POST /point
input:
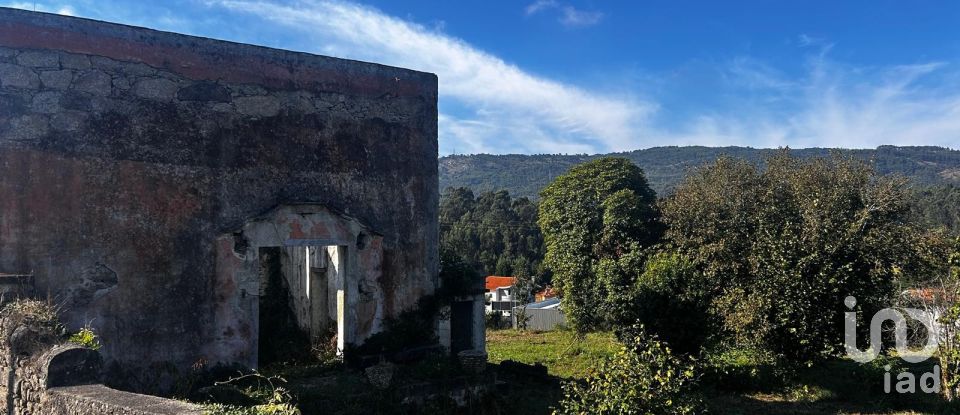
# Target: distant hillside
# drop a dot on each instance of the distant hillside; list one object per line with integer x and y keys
{"x": 525, "y": 175}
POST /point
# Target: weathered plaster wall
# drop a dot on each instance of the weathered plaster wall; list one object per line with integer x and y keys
{"x": 126, "y": 153}
{"x": 313, "y": 287}
{"x": 356, "y": 271}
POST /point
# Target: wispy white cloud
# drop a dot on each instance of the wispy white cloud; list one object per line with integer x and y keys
{"x": 822, "y": 45}
{"x": 569, "y": 16}
{"x": 574, "y": 17}
{"x": 834, "y": 105}
{"x": 23, "y": 6}
{"x": 541, "y": 5}
{"x": 64, "y": 9}
{"x": 492, "y": 90}
{"x": 752, "y": 73}
{"x": 863, "y": 107}
{"x": 805, "y": 40}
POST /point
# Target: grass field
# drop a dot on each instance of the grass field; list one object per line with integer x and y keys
{"x": 562, "y": 354}
{"x": 738, "y": 386}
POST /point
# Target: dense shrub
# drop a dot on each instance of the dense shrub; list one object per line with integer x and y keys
{"x": 271, "y": 399}
{"x": 496, "y": 321}
{"x": 781, "y": 246}
{"x": 279, "y": 405}
{"x": 734, "y": 369}
{"x": 668, "y": 297}
{"x": 33, "y": 313}
{"x": 644, "y": 377}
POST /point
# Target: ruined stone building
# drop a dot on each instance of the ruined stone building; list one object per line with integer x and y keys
{"x": 151, "y": 182}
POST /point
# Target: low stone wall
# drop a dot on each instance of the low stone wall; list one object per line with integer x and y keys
{"x": 101, "y": 400}
{"x": 62, "y": 381}
{"x": 43, "y": 376}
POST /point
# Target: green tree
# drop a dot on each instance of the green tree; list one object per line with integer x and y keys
{"x": 492, "y": 232}
{"x": 523, "y": 288}
{"x": 590, "y": 217}
{"x": 457, "y": 276}
{"x": 644, "y": 377}
{"x": 780, "y": 247}
{"x": 504, "y": 266}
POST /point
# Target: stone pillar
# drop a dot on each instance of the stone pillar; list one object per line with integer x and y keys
{"x": 479, "y": 324}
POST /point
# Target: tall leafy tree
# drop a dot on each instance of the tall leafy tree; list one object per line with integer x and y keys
{"x": 781, "y": 246}
{"x": 592, "y": 216}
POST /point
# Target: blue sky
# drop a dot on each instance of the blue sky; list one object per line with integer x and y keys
{"x": 589, "y": 76}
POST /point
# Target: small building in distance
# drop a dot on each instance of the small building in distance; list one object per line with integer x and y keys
{"x": 546, "y": 293}
{"x": 499, "y": 296}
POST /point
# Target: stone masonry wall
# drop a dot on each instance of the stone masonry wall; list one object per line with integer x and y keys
{"x": 44, "y": 376}
{"x": 62, "y": 380}
{"x": 126, "y": 154}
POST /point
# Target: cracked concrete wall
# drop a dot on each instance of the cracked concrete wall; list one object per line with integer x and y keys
{"x": 125, "y": 153}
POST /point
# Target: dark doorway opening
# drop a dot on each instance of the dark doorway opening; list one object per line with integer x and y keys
{"x": 461, "y": 326}
{"x": 281, "y": 338}
{"x": 302, "y": 302}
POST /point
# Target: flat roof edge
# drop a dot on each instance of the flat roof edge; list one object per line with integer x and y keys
{"x": 202, "y": 58}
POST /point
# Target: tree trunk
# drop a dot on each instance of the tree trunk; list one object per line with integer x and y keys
{"x": 945, "y": 387}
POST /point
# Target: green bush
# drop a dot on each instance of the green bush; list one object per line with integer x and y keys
{"x": 275, "y": 400}
{"x": 86, "y": 338}
{"x": 265, "y": 409}
{"x": 741, "y": 370}
{"x": 496, "y": 321}
{"x": 644, "y": 377}
{"x": 668, "y": 298}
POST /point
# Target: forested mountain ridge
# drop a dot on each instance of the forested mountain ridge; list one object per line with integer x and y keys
{"x": 526, "y": 175}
